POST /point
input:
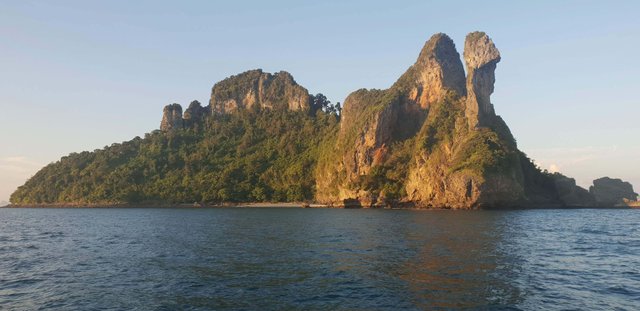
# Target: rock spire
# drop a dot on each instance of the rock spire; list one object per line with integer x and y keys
{"x": 481, "y": 57}
{"x": 171, "y": 117}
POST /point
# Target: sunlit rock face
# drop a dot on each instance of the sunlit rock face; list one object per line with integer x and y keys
{"x": 171, "y": 117}
{"x": 256, "y": 89}
{"x": 481, "y": 57}
{"x": 432, "y": 139}
{"x": 437, "y": 70}
{"x": 373, "y": 120}
{"x": 612, "y": 191}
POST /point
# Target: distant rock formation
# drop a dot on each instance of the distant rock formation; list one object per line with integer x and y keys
{"x": 571, "y": 194}
{"x": 258, "y": 89}
{"x": 481, "y": 57}
{"x": 171, "y": 117}
{"x": 610, "y": 192}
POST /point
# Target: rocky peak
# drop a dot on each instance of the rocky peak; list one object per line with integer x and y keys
{"x": 437, "y": 70}
{"x": 612, "y": 191}
{"x": 194, "y": 114}
{"x": 481, "y": 57}
{"x": 255, "y": 87}
{"x": 171, "y": 117}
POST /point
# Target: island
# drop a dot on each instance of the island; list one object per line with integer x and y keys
{"x": 431, "y": 140}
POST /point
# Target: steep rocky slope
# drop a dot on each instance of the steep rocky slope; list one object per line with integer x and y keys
{"x": 432, "y": 139}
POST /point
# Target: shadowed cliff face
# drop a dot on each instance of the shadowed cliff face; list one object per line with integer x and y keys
{"x": 612, "y": 191}
{"x": 256, "y": 88}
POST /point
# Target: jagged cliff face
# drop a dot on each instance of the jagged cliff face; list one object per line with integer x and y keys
{"x": 253, "y": 89}
{"x": 457, "y": 152}
{"x": 373, "y": 134}
{"x": 374, "y": 120}
{"x": 458, "y": 164}
{"x": 437, "y": 71}
{"x": 257, "y": 89}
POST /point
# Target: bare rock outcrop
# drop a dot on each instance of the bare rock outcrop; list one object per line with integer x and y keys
{"x": 256, "y": 89}
{"x": 481, "y": 57}
{"x": 612, "y": 191}
{"x": 171, "y": 117}
{"x": 371, "y": 137}
{"x": 437, "y": 70}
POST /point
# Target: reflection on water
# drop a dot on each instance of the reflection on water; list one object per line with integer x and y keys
{"x": 460, "y": 262}
{"x": 167, "y": 259}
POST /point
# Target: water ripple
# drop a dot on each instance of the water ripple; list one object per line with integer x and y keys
{"x": 320, "y": 259}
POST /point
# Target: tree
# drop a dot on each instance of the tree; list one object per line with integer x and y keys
{"x": 319, "y": 102}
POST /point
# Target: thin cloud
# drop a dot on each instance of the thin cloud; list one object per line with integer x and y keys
{"x": 19, "y": 161}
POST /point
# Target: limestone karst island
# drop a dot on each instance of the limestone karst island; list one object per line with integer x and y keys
{"x": 431, "y": 140}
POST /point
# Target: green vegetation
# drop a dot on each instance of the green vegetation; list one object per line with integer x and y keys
{"x": 246, "y": 156}
{"x": 474, "y": 36}
{"x": 388, "y": 178}
{"x": 483, "y": 152}
{"x": 486, "y": 150}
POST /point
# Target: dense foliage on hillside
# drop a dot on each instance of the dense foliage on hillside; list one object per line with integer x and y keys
{"x": 265, "y": 155}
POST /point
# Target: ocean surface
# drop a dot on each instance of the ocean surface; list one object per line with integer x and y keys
{"x": 318, "y": 259}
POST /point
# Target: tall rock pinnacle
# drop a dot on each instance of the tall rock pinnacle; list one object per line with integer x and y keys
{"x": 481, "y": 57}
{"x": 437, "y": 70}
{"x": 171, "y": 117}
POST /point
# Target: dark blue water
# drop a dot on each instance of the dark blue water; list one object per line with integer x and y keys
{"x": 318, "y": 259}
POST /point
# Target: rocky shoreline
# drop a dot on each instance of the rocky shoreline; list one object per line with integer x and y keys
{"x": 405, "y": 206}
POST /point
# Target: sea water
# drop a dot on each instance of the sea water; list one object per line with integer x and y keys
{"x": 318, "y": 259}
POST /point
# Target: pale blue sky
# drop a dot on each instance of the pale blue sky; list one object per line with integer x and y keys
{"x": 79, "y": 75}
